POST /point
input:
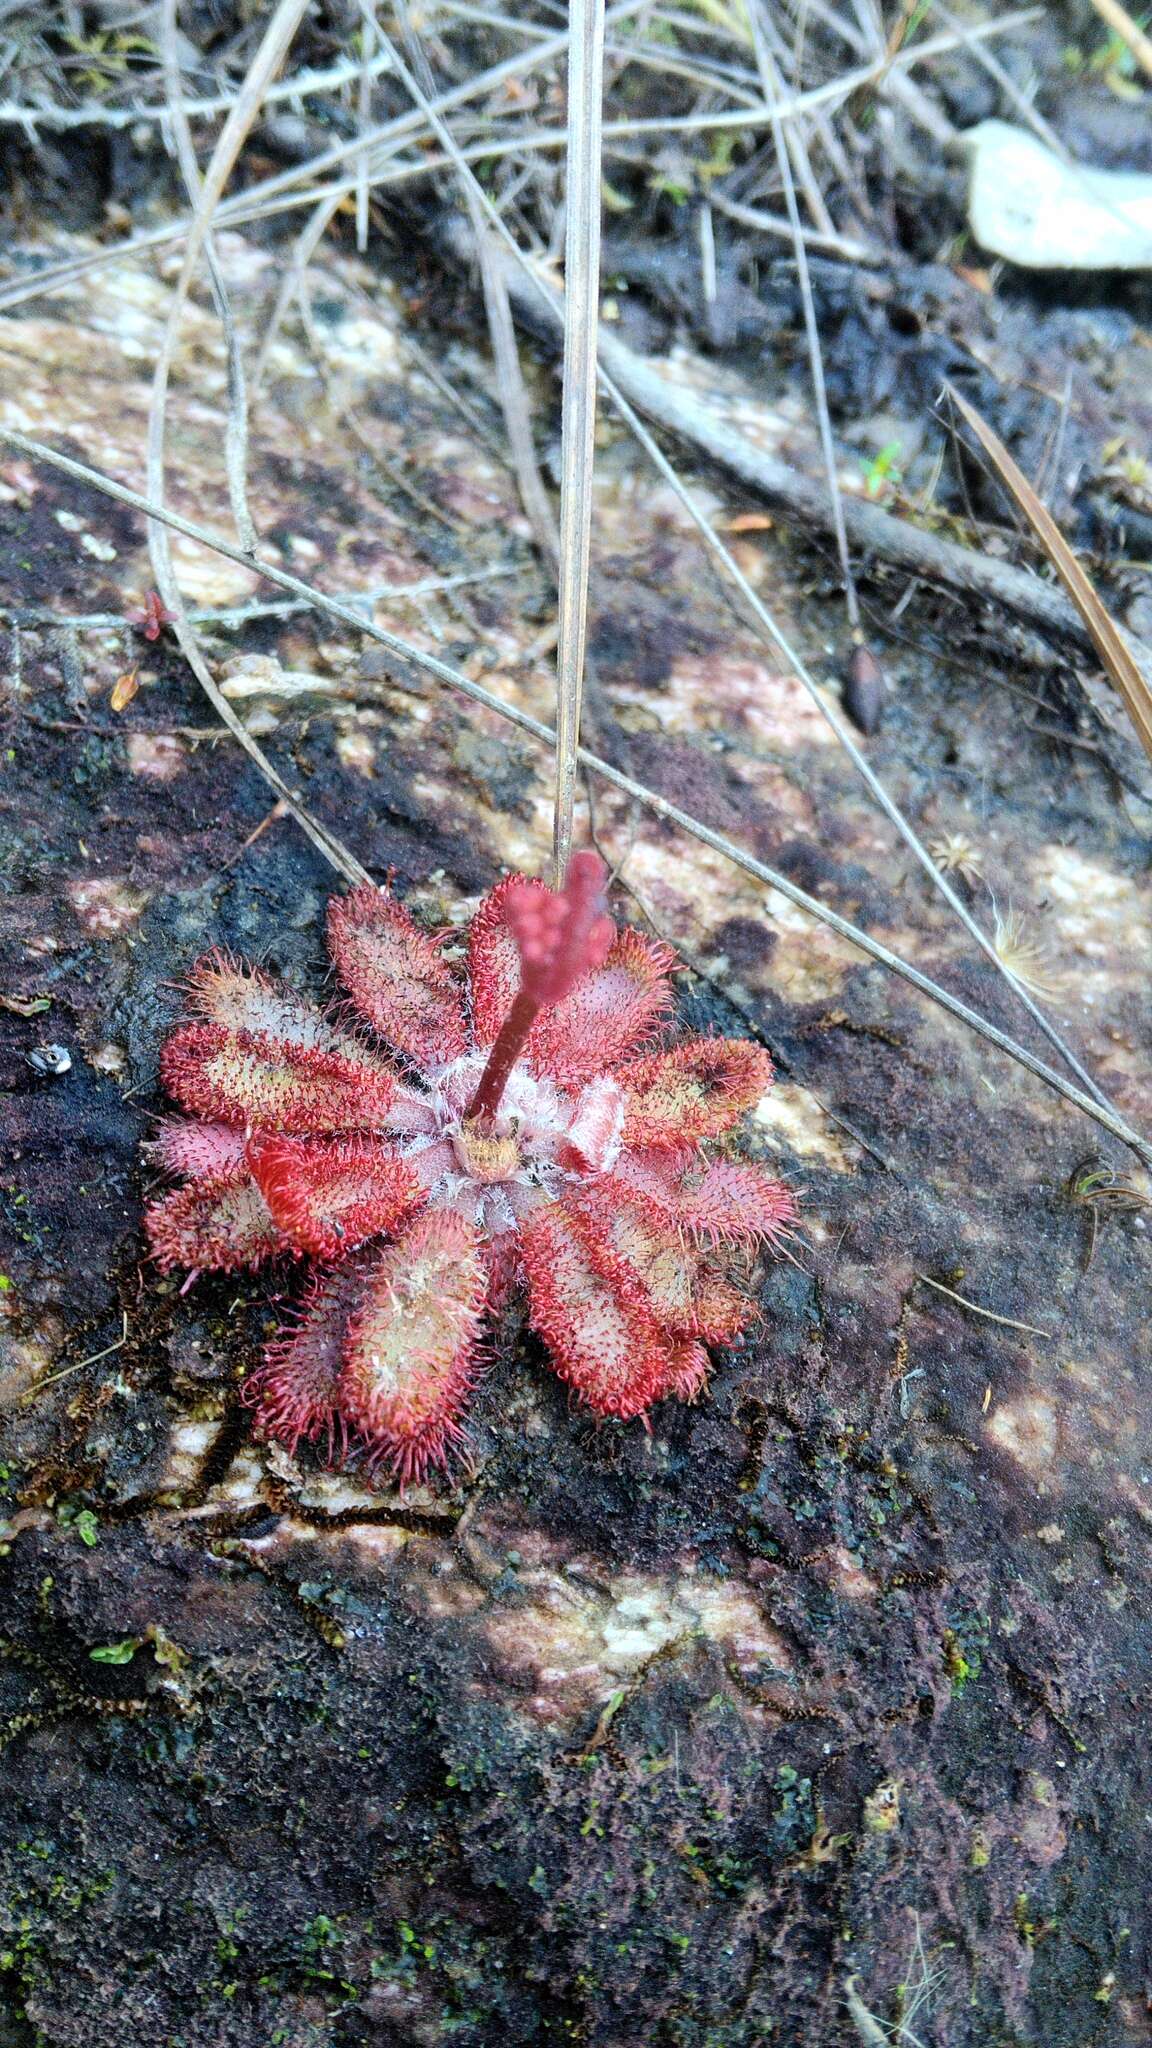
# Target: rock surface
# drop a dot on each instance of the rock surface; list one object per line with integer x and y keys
{"x": 822, "y": 1706}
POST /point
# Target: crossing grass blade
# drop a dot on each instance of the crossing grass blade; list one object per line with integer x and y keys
{"x": 340, "y": 608}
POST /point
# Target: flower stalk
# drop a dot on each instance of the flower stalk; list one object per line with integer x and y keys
{"x": 560, "y": 935}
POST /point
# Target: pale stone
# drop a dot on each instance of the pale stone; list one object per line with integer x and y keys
{"x": 1024, "y": 203}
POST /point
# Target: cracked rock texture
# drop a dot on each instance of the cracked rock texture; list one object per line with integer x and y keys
{"x": 822, "y": 1705}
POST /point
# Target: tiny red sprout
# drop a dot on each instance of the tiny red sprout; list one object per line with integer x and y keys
{"x": 444, "y": 1142}
{"x": 152, "y": 617}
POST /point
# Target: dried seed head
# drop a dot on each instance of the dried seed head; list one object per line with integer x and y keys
{"x": 955, "y": 854}
{"x": 1024, "y": 957}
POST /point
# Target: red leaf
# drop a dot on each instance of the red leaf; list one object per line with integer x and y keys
{"x": 295, "y": 1391}
{"x": 242, "y": 1077}
{"x": 152, "y": 616}
{"x": 240, "y": 998}
{"x": 397, "y": 977}
{"x": 727, "y": 1202}
{"x": 723, "y": 1201}
{"x": 410, "y": 1356}
{"x": 683, "y": 1290}
{"x": 222, "y": 1224}
{"x": 696, "y": 1090}
{"x": 609, "y": 1014}
{"x": 688, "y": 1368}
{"x": 329, "y": 1194}
{"x": 202, "y": 1151}
{"x": 601, "y": 1337}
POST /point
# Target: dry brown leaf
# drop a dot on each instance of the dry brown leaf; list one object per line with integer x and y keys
{"x": 1107, "y": 638}
{"x": 124, "y": 689}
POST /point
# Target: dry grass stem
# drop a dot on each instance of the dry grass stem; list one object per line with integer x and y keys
{"x": 262, "y": 197}
{"x": 302, "y": 85}
{"x": 1017, "y": 99}
{"x": 578, "y": 425}
{"x": 78, "y": 1364}
{"x": 236, "y": 431}
{"x": 1107, "y": 638}
{"x": 923, "y": 1977}
{"x": 228, "y": 616}
{"x": 267, "y": 61}
{"x": 1008, "y": 1322}
{"x": 1130, "y": 33}
{"x": 774, "y": 224}
{"x": 770, "y": 78}
{"x": 513, "y": 392}
{"x": 364, "y": 116}
{"x": 292, "y": 278}
{"x": 611, "y": 352}
{"x": 440, "y": 671}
